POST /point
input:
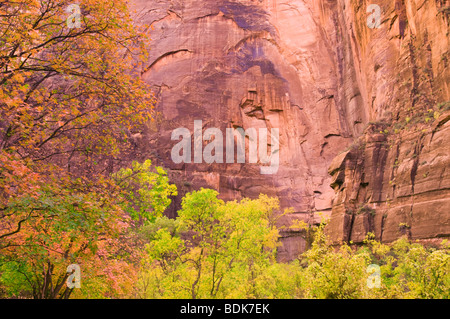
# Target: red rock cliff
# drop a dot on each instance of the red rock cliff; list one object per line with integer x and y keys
{"x": 366, "y": 102}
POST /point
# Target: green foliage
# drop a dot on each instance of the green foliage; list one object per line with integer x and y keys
{"x": 79, "y": 222}
{"x": 60, "y": 227}
{"x": 333, "y": 273}
{"x": 146, "y": 193}
{"x": 224, "y": 248}
{"x": 214, "y": 249}
{"x": 13, "y": 277}
{"x": 410, "y": 270}
{"x": 148, "y": 232}
{"x": 229, "y": 253}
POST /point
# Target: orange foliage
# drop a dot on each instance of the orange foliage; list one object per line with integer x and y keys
{"x": 68, "y": 104}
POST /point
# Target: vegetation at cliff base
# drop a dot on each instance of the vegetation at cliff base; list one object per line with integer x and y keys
{"x": 68, "y": 106}
{"x": 228, "y": 250}
{"x": 214, "y": 249}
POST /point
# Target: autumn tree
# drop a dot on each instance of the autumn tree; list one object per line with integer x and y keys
{"x": 69, "y": 106}
{"x": 226, "y": 250}
{"x": 218, "y": 250}
{"x": 89, "y": 228}
{"x": 66, "y": 93}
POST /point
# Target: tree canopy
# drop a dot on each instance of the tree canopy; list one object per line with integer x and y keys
{"x": 68, "y": 106}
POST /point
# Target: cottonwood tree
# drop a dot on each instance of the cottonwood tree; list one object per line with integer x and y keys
{"x": 219, "y": 250}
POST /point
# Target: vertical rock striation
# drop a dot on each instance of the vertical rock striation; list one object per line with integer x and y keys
{"x": 394, "y": 180}
{"x": 318, "y": 73}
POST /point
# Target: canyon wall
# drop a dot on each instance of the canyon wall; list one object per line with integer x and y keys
{"x": 394, "y": 180}
{"x": 346, "y": 99}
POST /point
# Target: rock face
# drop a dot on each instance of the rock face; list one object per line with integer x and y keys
{"x": 314, "y": 70}
{"x": 394, "y": 184}
{"x": 394, "y": 180}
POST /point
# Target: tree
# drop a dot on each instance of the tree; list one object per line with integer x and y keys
{"x": 231, "y": 256}
{"x": 64, "y": 227}
{"x": 145, "y": 192}
{"x": 68, "y": 107}
{"x": 87, "y": 227}
{"x": 333, "y": 273}
{"x": 411, "y": 270}
{"x": 67, "y": 100}
{"x": 218, "y": 250}
{"x": 67, "y": 91}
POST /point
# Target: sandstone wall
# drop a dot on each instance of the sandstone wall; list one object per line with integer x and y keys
{"x": 395, "y": 179}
